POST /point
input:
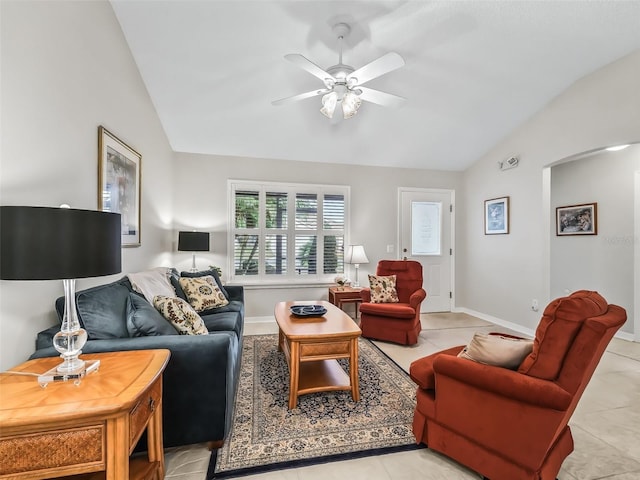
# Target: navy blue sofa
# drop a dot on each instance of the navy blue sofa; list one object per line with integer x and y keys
{"x": 201, "y": 378}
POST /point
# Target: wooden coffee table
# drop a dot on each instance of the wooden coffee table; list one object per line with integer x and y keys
{"x": 312, "y": 346}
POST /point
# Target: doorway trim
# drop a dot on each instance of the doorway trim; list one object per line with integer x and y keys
{"x": 636, "y": 256}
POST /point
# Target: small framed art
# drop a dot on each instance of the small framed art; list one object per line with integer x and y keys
{"x": 119, "y": 168}
{"x": 577, "y": 219}
{"x": 496, "y": 216}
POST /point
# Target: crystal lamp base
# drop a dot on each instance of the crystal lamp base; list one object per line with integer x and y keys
{"x": 75, "y": 376}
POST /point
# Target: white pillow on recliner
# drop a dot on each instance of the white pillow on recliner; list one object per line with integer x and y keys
{"x": 498, "y": 350}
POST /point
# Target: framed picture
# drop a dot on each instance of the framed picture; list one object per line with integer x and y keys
{"x": 496, "y": 216}
{"x": 119, "y": 168}
{"x": 577, "y": 219}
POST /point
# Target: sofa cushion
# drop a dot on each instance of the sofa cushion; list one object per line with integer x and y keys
{"x": 391, "y": 310}
{"x": 203, "y": 293}
{"x": 383, "y": 289}
{"x": 497, "y": 349}
{"x": 560, "y": 323}
{"x": 144, "y": 320}
{"x": 181, "y": 315}
{"x": 102, "y": 311}
{"x": 224, "y": 322}
{"x": 152, "y": 282}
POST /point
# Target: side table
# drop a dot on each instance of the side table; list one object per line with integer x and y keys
{"x": 67, "y": 429}
{"x": 341, "y": 295}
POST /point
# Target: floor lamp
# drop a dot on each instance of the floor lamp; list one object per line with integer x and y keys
{"x": 193, "y": 242}
{"x": 43, "y": 243}
{"x": 356, "y": 256}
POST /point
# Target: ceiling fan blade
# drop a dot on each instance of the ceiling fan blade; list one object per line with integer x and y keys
{"x": 385, "y": 64}
{"x": 302, "y": 96}
{"x": 381, "y": 98}
{"x": 309, "y": 66}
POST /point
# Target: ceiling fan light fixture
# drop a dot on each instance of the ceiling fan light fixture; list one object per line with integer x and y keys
{"x": 329, "y": 102}
{"x": 350, "y": 104}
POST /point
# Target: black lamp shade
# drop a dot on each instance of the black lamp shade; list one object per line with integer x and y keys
{"x": 43, "y": 243}
{"x": 193, "y": 241}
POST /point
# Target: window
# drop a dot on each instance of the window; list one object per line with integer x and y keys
{"x": 287, "y": 232}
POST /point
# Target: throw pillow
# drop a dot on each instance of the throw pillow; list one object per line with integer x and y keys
{"x": 383, "y": 289}
{"x": 211, "y": 272}
{"x": 181, "y": 315}
{"x": 102, "y": 311}
{"x": 203, "y": 293}
{"x": 143, "y": 320}
{"x": 152, "y": 282}
{"x": 496, "y": 349}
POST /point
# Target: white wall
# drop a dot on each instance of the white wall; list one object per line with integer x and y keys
{"x": 503, "y": 273}
{"x": 200, "y": 202}
{"x": 602, "y": 262}
{"x": 65, "y": 70}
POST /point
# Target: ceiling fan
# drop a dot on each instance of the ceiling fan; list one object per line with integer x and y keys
{"x": 343, "y": 85}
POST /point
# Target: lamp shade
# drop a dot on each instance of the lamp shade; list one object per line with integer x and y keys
{"x": 44, "y": 243}
{"x": 355, "y": 255}
{"x": 193, "y": 241}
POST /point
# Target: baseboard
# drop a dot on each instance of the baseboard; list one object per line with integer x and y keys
{"x": 265, "y": 319}
{"x": 525, "y": 331}
{"x": 498, "y": 321}
{"x": 625, "y": 336}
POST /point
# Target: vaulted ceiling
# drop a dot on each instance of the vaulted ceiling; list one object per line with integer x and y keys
{"x": 475, "y": 70}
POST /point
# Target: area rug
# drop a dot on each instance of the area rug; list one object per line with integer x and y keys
{"x": 325, "y": 426}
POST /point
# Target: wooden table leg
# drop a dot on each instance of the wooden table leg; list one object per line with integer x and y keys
{"x": 280, "y": 339}
{"x": 154, "y": 441}
{"x": 294, "y": 374}
{"x": 117, "y": 465}
{"x": 353, "y": 370}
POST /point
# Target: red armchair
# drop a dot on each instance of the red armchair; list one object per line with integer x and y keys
{"x": 512, "y": 425}
{"x": 395, "y": 322}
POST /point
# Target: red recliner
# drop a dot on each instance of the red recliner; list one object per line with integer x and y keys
{"x": 513, "y": 425}
{"x": 395, "y": 322}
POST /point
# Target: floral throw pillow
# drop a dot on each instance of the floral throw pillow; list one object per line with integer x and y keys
{"x": 181, "y": 315}
{"x": 203, "y": 293}
{"x": 383, "y": 289}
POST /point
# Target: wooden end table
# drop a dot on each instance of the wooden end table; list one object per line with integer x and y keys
{"x": 341, "y": 295}
{"x": 67, "y": 429}
{"x": 312, "y": 346}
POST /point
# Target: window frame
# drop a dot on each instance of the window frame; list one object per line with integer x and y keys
{"x": 290, "y": 277}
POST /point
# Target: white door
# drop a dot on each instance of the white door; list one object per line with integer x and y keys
{"x": 425, "y": 236}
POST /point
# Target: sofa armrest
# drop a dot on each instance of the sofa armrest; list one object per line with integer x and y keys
{"x": 503, "y": 382}
{"x": 421, "y": 370}
{"x": 236, "y": 292}
{"x": 365, "y": 295}
{"x": 417, "y": 297}
{"x": 201, "y": 375}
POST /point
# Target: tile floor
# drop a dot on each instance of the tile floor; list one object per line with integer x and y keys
{"x": 605, "y": 426}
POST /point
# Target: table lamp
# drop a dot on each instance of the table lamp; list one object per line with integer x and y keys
{"x": 193, "y": 242}
{"x": 355, "y": 256}
{"x": 44, "y": 243}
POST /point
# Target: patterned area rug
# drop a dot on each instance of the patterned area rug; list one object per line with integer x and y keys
{"x": 324, "y": 427}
